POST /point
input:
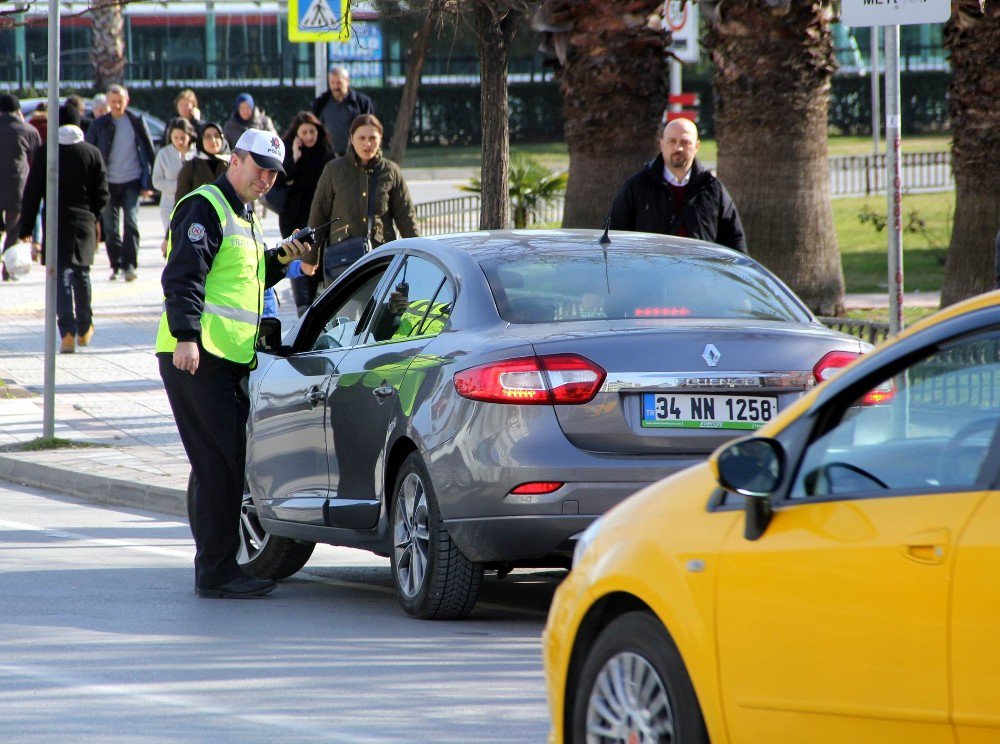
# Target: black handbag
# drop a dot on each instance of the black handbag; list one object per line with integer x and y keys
{"x": 338, "y": 256}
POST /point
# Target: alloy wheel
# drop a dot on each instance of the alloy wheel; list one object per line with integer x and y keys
{"x": 411, "y": 535}
{"x": 629, "y": 704}
{"x": 253, "y": 537}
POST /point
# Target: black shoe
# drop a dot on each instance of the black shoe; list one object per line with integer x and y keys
{"x": 242, "y": 588}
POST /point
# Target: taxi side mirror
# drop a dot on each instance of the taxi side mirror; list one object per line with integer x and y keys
{"x": 754, "y": 468}
{"x": 269, "y": 336}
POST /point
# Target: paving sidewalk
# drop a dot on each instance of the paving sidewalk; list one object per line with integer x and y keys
{"x": 109, "y": 394}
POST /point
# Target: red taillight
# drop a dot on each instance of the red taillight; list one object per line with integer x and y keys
{"x": 547, "y": 379}
{"x": 832, "y": 363}
{"x": 537, "y": 487}
{"x": 835, "y": 361}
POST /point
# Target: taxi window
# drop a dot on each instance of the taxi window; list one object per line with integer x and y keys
{"x": 927, "y": 429}
{"x": 418, "y": 304}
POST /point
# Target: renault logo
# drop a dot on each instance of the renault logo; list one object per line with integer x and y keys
{"x": 711, "y": 355}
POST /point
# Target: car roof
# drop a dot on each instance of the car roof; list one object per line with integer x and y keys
{"x": 487, "y": 244}
{"x": 28, "y": 106}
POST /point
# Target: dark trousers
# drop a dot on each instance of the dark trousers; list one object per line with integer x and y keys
{"x": 304, "y": 290}
{"x": 73, "y": 310}
{"x": 9, "y": 219}
{"x": 211, "y": 408}
{"x": 123, "y": 247}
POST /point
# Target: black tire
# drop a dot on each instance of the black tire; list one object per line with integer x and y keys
{"x": 433, "y": 580}
{"x": 261, "y": 555}
{"x": 660, "y": 705}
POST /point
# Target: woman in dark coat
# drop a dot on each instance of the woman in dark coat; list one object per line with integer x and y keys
{"x": 307, "y": 150}
{"x": 210, "y": 163}
{"x": 83, "y": 194}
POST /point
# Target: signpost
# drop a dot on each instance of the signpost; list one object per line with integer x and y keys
{"x": 892, "y": 14}
{"x": 319, "y": 20}
{"x": 682, "y": 22}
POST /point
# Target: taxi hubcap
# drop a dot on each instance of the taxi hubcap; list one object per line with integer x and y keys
{"x": 629, "y": 704}
{"x": 253, "y": 537}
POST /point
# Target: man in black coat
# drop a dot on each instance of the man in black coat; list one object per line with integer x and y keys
{"x": 338, "y": 107}
{"x": 674, "y": 195}
{"x": 18, "y": 144}
{"x": 83, "y": 194}
{"x": 124, "y": 141}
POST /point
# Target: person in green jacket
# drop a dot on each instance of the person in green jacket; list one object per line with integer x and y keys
{"x": 342, "y": 192}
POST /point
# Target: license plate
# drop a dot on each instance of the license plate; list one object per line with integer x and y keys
{"x": 687, "y": 411}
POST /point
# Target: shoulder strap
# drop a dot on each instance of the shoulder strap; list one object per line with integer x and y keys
{"x": 372, "y": 185}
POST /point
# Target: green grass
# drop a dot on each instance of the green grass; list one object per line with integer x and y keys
{"x": 555, "y": 155}
{"x": 864, "y": 251}
{"x": 881, "y": 314}
{"x": 8, "y": 391}
{"x": 47, "y": 443}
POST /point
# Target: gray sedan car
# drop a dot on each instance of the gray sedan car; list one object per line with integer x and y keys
{"x": 473, "y": 402}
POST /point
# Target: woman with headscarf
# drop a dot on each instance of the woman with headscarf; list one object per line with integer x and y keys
{"x": 210, "y": 163}
{"x": 344, "y": 181}
{"x": 307, "y": 151}
{"x": 246, "y": 116}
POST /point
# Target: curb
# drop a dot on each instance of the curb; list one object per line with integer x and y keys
{"x": 96, "y": 489}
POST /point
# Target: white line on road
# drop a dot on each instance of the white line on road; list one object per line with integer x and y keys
{"x": 190, "y": 705}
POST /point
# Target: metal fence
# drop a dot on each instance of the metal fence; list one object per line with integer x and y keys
{"x": 861, "y": 175}
{"x": 867, "y": 330}
{"x": 461, "y": 214}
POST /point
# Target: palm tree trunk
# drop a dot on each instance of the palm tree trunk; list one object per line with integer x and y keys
{"x": 108, "y": 46}
{"x": 495, "y": 29}
{"x": 614, "y": 81}
{"x": 975, "y": 118}
{"x": 415, "y": 57}
{"x": 773, "y": 65}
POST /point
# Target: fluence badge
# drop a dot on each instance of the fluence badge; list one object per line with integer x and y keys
{"x": 196, "y": 232}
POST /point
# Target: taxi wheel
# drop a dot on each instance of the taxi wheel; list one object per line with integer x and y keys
{"x": 433, "y": 580}
{"x": 262, "y": 555}
{"x": 634, "y": 688}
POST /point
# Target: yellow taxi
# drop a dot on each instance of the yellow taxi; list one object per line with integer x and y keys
{"x": 833, "y": 578}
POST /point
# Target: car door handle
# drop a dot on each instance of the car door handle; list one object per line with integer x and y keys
{"x": 314, "y": 396}
{"x": 383, "y": 391}
{"x": 929, "y": 546}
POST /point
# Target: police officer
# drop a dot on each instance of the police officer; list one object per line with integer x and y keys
{"x": 213, "y": 286}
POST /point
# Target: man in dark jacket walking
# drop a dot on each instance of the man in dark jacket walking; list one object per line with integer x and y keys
{"x": 124, "y": 141}
{"x": 674, "y": 195}
{"x": 338, "y": 107}
{"x": 18, "y": 144}
{"x": 83, "y": 194}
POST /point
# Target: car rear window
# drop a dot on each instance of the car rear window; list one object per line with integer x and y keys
{"x": 561, "y": 285}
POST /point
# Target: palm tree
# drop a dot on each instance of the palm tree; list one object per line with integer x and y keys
{"x": 108, "y": 44}
{"x": 532, "y": 188}
{"x": 773, "y": 63}
{"x": 973, "y": 38}
{"x": 614, "y": 81}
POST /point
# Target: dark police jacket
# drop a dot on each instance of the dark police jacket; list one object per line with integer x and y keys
{"x": 645, "y": 203}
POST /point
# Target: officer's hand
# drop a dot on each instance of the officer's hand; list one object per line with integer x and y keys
{"x": 187, "y": 356}
{"x": 291, "y": 250}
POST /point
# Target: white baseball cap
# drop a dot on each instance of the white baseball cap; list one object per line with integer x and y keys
{"x": 267, "y": 149}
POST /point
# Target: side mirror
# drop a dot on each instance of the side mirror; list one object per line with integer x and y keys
{"x": 269, "y": 335}
{"x": 754, "y": 468}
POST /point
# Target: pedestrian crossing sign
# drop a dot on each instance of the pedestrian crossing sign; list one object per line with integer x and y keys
{"x": 319, "y": 20}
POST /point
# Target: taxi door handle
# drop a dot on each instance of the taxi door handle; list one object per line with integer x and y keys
{"x": 929, "y": 546}
{"x": 383, "y": 391}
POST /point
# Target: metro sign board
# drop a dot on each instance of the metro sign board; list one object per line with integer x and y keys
{"x": 861, "y": 13}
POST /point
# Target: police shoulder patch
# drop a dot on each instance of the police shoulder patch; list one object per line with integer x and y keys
{"x": 196, "y": 232}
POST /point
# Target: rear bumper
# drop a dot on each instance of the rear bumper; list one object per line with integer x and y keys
{"x": 537, "y": 526}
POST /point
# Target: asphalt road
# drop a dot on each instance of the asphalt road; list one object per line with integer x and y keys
{"x": 103, "y": 639}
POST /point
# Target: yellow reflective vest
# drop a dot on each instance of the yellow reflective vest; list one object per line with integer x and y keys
{"x": 234, "y": 286}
